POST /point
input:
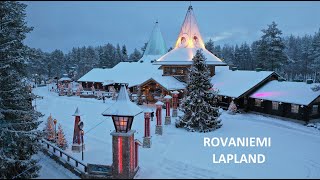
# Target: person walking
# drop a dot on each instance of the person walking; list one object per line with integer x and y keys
{"x": 152, "y": 115}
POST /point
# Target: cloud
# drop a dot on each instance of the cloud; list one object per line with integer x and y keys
{"x": 221, "y": 36}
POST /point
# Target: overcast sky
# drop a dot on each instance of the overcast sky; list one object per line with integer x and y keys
{"x": 63, "y": 25}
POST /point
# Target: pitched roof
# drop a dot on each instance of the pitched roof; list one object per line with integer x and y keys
{"x": 123, "y": 106}
{"x": 156, "y": 46}
{"x": 188, "y": 41}
{"x": 287, "y": 92}
{"x": 236, "y": 83}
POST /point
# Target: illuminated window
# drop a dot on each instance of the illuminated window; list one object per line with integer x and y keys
{"x": 257, "y": 102}
{"x": 315, "y": 109}
{"x": 275, "y": 105}
{"x": 294, "y": 108}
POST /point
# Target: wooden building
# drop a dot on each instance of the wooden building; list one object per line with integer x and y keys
{"x": 294, "y": 100}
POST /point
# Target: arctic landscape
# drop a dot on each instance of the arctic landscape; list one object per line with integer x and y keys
{"x": 181, "y": 154}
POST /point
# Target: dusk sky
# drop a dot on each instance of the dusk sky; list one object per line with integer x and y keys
{"x": 63, "y": 25}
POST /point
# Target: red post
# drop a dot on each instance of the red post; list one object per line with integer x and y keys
{"x": 159, "y": 119}
{"x": 158, "y": 114}
{"x": 175, "y": 103}
{"x": 168, "y": 118}
{"x": 146, "y": 124}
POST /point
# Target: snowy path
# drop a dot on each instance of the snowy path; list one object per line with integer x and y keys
{"x": 180, "y": 154}
{"x": 52, "y": 170}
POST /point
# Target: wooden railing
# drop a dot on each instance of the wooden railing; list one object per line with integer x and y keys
{"x": 62, "y": 152}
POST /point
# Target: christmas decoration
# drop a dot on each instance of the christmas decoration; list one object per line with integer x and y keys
{"x": 62, "y": 142}
{"x": 232, "y": 108}
{"x": 49, "y": 129}
{"x": 200, "y": 112}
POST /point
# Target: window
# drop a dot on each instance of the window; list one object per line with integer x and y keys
{"x": 315, "y": 109}
{"x": 275, "y": 105}
{"x": 257, "y": 102}
{"x": 294, "y": 108}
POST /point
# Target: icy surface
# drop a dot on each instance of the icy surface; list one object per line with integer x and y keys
{"x": 294, "y": 152}
{"x": 289, "y": 92}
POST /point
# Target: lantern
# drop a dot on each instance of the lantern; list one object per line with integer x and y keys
{"x": 122, "y": 112}
{"x": 122, "y": 123}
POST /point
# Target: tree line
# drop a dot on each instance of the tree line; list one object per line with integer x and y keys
{"x": 79, "y": 60}
{"x": 296, "y": 58}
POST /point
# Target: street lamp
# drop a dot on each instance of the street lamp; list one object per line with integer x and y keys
{"x": 82, "y": 133}
{"x": 55, "y": 130}
{"x": 124, "y": 150}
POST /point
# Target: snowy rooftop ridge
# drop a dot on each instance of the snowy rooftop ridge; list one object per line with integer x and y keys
{"x": 287, "y": 92}
{"x": 236, "y": 83}
{"x": 123, "y": 106}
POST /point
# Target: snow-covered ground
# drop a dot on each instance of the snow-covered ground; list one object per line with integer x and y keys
{"x": 52, "y": 170}
{"x": 294, "y": 151}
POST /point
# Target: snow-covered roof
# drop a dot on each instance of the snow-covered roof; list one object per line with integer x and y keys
{"x": 95, "y": 75}
{"x": 64, "y": 79}
{"x": 183, "y": 56}
{"x": 236, "y": 83}
{"x": 287, "y": 92}
{"x": 77, "y": 112}
{"x": 134, "y": 74}
{"x": 188, "y": 42}
{"x": 156, "y": 46}
{"x": 123, "y": 106}
{"x": 168, "y": 82}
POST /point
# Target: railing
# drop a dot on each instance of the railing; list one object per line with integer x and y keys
{"x": 61, "y": 153}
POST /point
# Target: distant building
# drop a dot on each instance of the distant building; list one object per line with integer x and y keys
{"x": 159, "y": 72}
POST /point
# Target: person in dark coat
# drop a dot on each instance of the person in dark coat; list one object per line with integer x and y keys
{"x": 103, "y": 98}
{"x": 152, "y": 115}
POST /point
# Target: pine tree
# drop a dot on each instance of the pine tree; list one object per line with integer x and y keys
{"x": 135, "y": 56}
{"x": 18, "y": 119}
{"x": 49, "y": 129}
{"x": 271, "y": 48}
{"x": 210, "y": 46}
{"x": 139, "y": 96}
{"x": 232, "y": 109}
{"x": 200, "y": 111}
{"x": 124, "y": 53}
{"x": 62, "y": 142}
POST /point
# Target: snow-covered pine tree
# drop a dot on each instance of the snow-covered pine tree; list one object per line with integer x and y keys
{"x": 210, "y": 46}
{"x": 49, "y": 129}
{"x": 271, "y": 53}
{"x": 200, "y": 111}
{"x": 18, "y": 119}
{"x": 232, "y": 109}
{"x": 139, "y": 96}
{"x": 62, "y": 142}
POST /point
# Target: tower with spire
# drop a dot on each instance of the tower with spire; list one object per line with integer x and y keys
{"x": 178, "y": 61}
{"x": 156, "y": 46}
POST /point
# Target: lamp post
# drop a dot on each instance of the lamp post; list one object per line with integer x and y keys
{"x": 147, "y": 138}
{"x": 77, "y": 141}
{"x": 167, "y": 118}
{"x": 82, "y": 133}
{"x": 124, "y": 148}
{"x": 55, "y": 130}
{"x": 175, "y": 103}
{"x": 158, "y": 115}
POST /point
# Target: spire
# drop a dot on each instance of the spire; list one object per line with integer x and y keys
{"x": 156, "y": 44}
{"x": 189, "y": 36}
{"x": 77, "y": 113}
